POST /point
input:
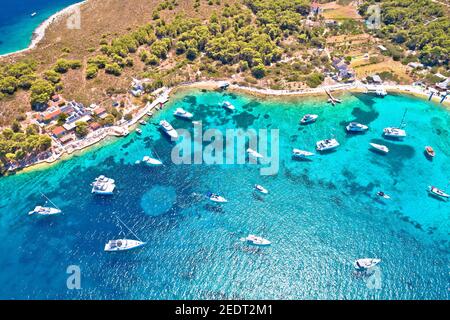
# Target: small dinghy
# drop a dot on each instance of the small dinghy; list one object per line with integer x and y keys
{"x": 261, "y": 189}
{"x": 151, "y": 161}
{"x": 138, "y": 131}
{"x": 253, "y": 153}
{"x": 257, "y": 241}
{"x": 383, "y": 195}
{"x": 143, "y": 122}
{"x": 438, "y": 192}
{"x": 302, "y": 154}
{"x": 216, "y": 198}
{"x": 366, "y": 263}
{"x": 380, "y": 147}
{"x": 430, "y": 151}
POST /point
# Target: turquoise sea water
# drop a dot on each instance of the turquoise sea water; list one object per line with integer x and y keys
{"x": 320, "y": 215}
{"x": 17, "y": 25}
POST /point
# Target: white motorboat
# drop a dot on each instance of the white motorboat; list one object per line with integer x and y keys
{"x": 123, "y": 245}
{"x": 151, "y": 161}
{"x": 149, "y": 113}
{"x": 181, "y": 113}
{"x": 356, "y": 127}
{"x": 168, "y": 129}
{"x": 227, "y": 105}
{"x": 308, "y": 118}
{"x": 143, "y": 122}
{"x": 44, "y": 211}
{"x": 438, "y": 192}
{"x": 138, "y": 131}
{"x": 366, "y": 263}
{"x": 257, "y": 241}
{"x": 103, "y": 185}
{"x": 393, "y": 132}
{"x": 380, "y": 147}
{"x": 383, "y": 195}
{"x": 216, "y": 198}
{"x": 261, "y": 189}
{"x": 254, "y": 154}
{"x": 301, "y": 153}
{"x": 33, "y": 14}
{"x": 327, "y": 144}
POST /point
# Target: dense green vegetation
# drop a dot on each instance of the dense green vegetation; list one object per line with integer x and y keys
{"x": 420, "y": 25}
{"x": 16, "y": 145}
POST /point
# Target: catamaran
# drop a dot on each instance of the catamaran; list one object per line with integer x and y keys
{"x": 123, "y": 244}
{"x": 308, "y": 118}
{"x": 261, "y": 189}
{"x": 168, "y": 129}
{"x": 297, "y": 153}
{"x": 227, "y": 105}
{"x": 356, "y": 127}
{"x": 253, "y": 153}
{"x": 181, "y": 113}
{"x": 103, "y": 185}
{"x": 366, "y": 263}
{"x": 216, "y": 198}
{"x": 380, "y": 147}
{"x": 151, "y": 161}
{"x": 394, "y": 132}
{"x": 327, "y": 144}
{"x": 438, "y": 192}
{"x": 257, "y": 241}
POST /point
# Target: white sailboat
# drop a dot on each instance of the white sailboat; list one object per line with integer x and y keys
{"x": 45, "y": 211}
{"x": 123, "y": 244}
{"x": 438, "y": 192}
{"x": 151, "y": 161}
{"x": 396, "y": 132}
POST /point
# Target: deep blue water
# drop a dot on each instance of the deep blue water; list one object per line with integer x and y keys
{"x": 320, "y": 215}
{"x": 17, "y": 25}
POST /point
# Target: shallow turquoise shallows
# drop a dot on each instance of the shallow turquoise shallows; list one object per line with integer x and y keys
{"x": 320, "y": 215}
{"x": 17, "y": 23}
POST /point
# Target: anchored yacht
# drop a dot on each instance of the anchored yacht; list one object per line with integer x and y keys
{"x": 181, "y": 113}
{"x": 297, "y": 153}
{"x": 123, "y": 245}
{"x": 308, "y": 118}
{"x": 366, "y": 263}
{"x": 227, "y": 105}
{"x": 261, "y": 189}
{"x": 168, "y": 129}
{"x": 380, "y": 147}
{"x": 216, "y": 198}
{"x": 257, "y": 241}
{"x": 438, "y": 192}
{"x": 151, "y": 161}
{"x": 356, "y": 127}
{"x": 45, "y": 211}
{"x": 393, "y": 132}
{"x": 327, "y": 144}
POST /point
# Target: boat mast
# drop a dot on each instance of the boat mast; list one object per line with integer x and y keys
{"x": 402, "y": 124}
{"x": 49, "y": 200}
{"x": 123, "y": 223}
